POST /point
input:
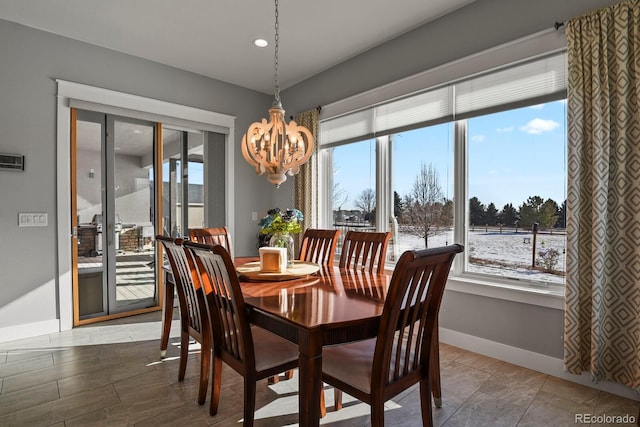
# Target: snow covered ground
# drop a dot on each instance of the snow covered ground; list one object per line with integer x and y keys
{"x": 507, "y": 254}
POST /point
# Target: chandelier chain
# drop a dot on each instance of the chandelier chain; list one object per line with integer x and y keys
{"x": 275, "y": 58}
{"x": 275, "y": 147}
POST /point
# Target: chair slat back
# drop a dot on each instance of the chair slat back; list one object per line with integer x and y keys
{"x": 231, "y": 330}
{"x": 319, "y": 246}
{"x": 364, "y": 250}
{"x": 190, "y": 294}
{"x": 410, "y": 313}
{"x": 212, "y": 236}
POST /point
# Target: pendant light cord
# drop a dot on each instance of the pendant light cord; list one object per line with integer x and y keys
{"x": 275, "y": 59}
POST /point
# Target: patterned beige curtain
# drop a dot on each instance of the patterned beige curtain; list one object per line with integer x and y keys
{"x": 305, "y": 186}
{"x": 602, "y": 318}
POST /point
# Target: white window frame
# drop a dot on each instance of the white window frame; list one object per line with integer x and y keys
{"x": 541, "y": 44}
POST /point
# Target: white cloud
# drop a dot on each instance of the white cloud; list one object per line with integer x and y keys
{"x": 478, "y": 138}
{"x": 505, "y": 130}
{"x": 538, "y": 126}
{"x": 537, "y": 107}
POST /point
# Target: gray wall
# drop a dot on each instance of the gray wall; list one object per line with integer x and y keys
{"x": 31, "y": 60}
{"x": 476, "y": 27}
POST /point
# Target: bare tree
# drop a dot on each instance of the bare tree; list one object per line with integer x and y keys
{"x": 366, "y": 201}
{"x": 425, "y": 205}
{"x": 340, "y": 196}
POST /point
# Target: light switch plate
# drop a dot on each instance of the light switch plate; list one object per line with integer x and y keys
{"x": 254, "y": 216}
{"x": 33, "y": 219}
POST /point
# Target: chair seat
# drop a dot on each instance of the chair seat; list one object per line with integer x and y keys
{"x": 357, "y": 372}
{"x": 271, "y": 350}
{"x": 360, "y": 356}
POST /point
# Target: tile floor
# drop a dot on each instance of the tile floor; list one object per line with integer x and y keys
{"x": 111, "y": 374}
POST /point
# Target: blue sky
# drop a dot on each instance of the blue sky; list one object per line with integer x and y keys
{"x": 512, "y": 155}
{"x": 196, "y": 174}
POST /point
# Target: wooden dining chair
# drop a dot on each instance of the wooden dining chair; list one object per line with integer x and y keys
{"x": 377, "y": 369}
{"x": 319, "y": 246}
{"x": 194, "y": 321}
{"x": 212, "y": 236}
{"x": 253, "y": 352}
{"x": 220, "y": 236}
{"x": 364, "y": 250}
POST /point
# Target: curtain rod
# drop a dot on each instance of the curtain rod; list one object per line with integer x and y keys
{"x": 557, "y": 25}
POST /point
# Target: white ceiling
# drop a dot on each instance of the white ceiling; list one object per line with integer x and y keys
{"x": 215, "y": 37}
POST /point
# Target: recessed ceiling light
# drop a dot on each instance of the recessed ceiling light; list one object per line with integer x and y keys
{"x": 261, "y": 42}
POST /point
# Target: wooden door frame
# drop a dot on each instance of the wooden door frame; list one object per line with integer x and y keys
{"x": 74, "y": 227}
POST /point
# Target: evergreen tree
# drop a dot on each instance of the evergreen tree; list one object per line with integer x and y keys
{"x": 509, "y": 215}
{"x": 476, "y": 212}
{"x": 529, "y": 211}
{"x": 535, "y": 209}
{"x": 491, "y": 215}
{"x": 548, "y": 216}
{"x": 562, "y": 216}
{"x": 398, "y": 205}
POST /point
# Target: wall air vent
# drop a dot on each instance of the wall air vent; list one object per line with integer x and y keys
{"x": 13, "y": 162}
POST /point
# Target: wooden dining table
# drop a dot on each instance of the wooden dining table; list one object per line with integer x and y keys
{"x": 332, "y": 306}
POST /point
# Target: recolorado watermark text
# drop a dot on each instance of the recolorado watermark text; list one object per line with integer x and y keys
{"x": 604, "y": 419}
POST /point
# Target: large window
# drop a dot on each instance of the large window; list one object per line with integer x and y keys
{"x": 480, "y": 162}
{"x": 516, "y": 190}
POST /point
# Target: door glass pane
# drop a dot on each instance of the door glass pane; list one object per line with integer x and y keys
{"x": 195, "y": 165}
{"x": 183, "y": 187}
{"x": 133, "y": 228}
{"x": 171, "y": 182}
{"x": 89, "y": 177}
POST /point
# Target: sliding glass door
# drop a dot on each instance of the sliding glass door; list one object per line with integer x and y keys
{"x": 114, "y": 211}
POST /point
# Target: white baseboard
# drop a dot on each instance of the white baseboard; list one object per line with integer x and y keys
{"x": 29, "y": 330}
{"x": 528, "y": 359}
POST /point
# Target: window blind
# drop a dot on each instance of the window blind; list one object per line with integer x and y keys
{"x": 536, "y": 81}
{"x": 347, "y": 128}
{"x": 414, "y": 111}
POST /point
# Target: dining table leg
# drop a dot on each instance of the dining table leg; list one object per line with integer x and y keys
{"x": 310, "y": 378}
{"x": 167, "y": 312}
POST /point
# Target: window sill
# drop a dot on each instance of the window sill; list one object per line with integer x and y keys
{"x": 552, "y": 297}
